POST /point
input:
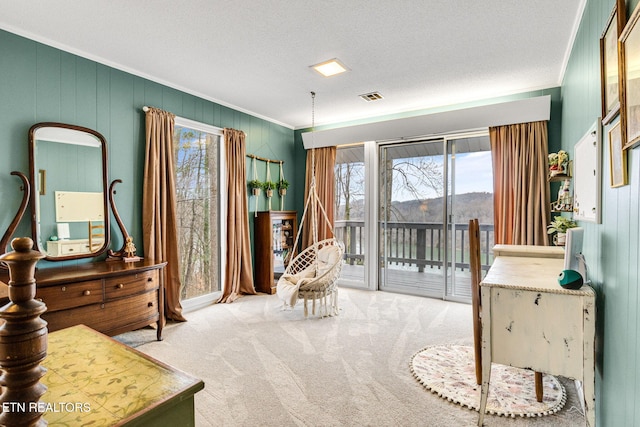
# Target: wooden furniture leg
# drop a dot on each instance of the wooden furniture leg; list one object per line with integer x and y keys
{"x": 475, "y": 269}
{"x": 486, "y": 361}
{"x": 23, "y": 340}
{"x": 538, "y": 381}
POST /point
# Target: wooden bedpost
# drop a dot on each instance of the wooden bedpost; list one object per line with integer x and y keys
{"x": 23, "y": 340}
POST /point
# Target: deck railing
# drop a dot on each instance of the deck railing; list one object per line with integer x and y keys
{"x": 415, "y": 243}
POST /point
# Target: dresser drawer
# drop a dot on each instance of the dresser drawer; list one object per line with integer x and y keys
{"x": 110, "y": 318}
{"x": 121, "y": 286}
{"x": 134, "y": 309}
{"x": 61, "y": 297}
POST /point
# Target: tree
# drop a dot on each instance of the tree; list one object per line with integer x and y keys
{"x": 349, "y": 186}
{"x": 416, "y": 177}
{"x": 196, "y": 193}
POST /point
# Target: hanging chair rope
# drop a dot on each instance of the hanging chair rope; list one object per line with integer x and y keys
{"x": 268, "y": 189}
{"x": 312, "y": 198}
{"x": 306, "y": 276}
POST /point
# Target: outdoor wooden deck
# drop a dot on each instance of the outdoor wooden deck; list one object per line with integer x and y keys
{"x": 427, "y": 283}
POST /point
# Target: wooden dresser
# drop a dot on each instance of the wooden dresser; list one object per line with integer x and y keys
{"x": 111, "y": 297}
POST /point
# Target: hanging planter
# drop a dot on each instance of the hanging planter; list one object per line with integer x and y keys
{"x": 283, "y": 184}
{"x": 255, "y": 186}
{"x": 269, "y": 186}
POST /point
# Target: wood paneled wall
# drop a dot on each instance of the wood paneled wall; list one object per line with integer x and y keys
{"x": 612, "y": 249}
{"x": 39, "y": 83}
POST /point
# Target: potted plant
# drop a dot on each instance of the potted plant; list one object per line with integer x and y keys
{"x": 558, "y": 163}
{"x": 560, "y": 225}
{"x": 283, "y": 184}
{"x": 255, "y": 186}
{"x": 269, "y": 186}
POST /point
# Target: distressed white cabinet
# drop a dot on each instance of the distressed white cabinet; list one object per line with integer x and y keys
{"x": 530, "y": 321}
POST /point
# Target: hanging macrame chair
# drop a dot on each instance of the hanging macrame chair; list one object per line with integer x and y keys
{"x": 312, "y": 275}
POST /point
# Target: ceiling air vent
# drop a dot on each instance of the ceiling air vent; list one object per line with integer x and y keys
{"x": 371, "y": 96}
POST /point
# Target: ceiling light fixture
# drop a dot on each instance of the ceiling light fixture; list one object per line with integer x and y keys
{"x": 330, "y": 68}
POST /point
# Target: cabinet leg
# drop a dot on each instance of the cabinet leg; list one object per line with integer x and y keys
{"x": 588, "y": 387}
{"x": 538, "y": 384}
{"x": 161, "y": 319}
{"x": 486, "y": 376}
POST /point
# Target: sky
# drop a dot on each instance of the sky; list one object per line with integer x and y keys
{"x": 474, "y": 172}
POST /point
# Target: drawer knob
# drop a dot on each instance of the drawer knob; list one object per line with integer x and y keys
{"x": 120, "y": 286}
{"x": 63, "y": 289}
{"x": 149, "y": 279}
{"x": 149, "y": 304}
{"x": 87, "y": 292}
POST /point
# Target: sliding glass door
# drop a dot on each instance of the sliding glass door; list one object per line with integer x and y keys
{"x": 428, "y": 191}
{"x": 412, "y": 236}
{"x": 469, "y": 195}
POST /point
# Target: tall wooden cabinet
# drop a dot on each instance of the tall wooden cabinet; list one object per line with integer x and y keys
{"x": 274, "y": 237}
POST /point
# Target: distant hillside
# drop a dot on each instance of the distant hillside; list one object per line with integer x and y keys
{"x": 469, "y": 205}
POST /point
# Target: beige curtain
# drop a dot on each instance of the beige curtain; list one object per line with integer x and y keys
{"x": 325, "y": 162}
{"x": 521, "y": 190}
{"x": 239, "y": 271}
{"x": 159, "y": 224}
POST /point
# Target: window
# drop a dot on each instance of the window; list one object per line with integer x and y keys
{"x": 197, "y": 151}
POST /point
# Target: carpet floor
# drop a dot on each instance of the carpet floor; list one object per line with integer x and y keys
{"x": 264, "y": 366}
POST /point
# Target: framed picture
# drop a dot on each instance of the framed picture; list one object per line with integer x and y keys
{"x": 630, "y": 70}
{"x": 617, "y": 158}
{"x": 609, "y": 63}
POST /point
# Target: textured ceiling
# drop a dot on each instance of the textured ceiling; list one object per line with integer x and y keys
{"x": 255, "y": 55}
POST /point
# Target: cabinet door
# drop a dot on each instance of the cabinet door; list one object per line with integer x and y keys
{"x": 263, "y": 246}
{"x": 274, "y": 234}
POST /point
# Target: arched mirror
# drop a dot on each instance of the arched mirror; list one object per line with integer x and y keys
{"x": 69, "y": 195}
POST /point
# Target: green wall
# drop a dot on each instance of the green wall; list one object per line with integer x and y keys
{"x": 39, "y": 83}
{"x": 611, "y": 248}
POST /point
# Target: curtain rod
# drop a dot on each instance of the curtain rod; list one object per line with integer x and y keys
{"x": 264, "y": 159}
{"x": 145, "y": 109}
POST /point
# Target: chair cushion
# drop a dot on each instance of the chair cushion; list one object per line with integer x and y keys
{"x": 307, "y": 273}
{"x": 329, "y": 254}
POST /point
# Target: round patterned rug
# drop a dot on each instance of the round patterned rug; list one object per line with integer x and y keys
{"x": 449, "y": 371}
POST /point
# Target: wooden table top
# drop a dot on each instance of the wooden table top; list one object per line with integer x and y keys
{"x": 107, "y": 382}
